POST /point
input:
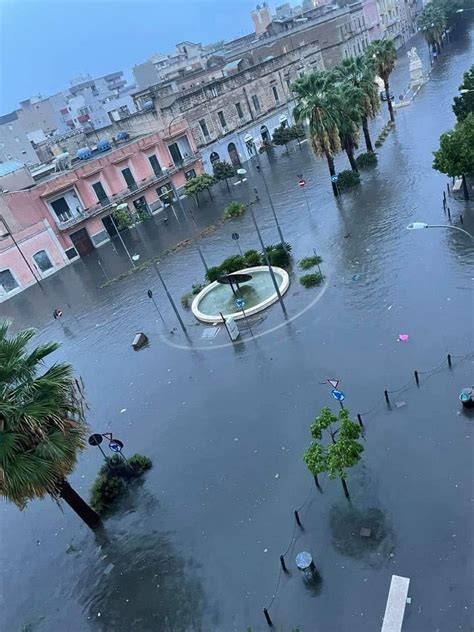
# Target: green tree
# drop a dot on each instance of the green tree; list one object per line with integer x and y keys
{"x": 349, "y": 113}
{"x": 282, "y": 135}
{"x": 432, "y": 23}
{"x": 384, "y": 55}
{"x": 42, "y": 425}
{"x": 359, "y": 72}
{"x": 223, "y": 171}
{"x": 195, "y": 186}
{"x": 316, "y": 98}
{"x": 342, "y": 452}
{"x": 464, "y": 104}
{"x": 455, "y": 156}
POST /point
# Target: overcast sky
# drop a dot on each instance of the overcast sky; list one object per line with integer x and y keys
{"x": 45, "y": 43}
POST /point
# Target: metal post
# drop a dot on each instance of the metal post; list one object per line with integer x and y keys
{"x": 10, "y": 234}
{"x": 417, "y": 379}
{"x": 240, "y": 249}
{"x": 449, "y": 361}
{"x": 267, "y": 617}
{"x": 386, "y": 397}
{"x": 270, "y": 269}
{"x": 176, "y": 194}
{"x": 102, "y": 268}
{"x": 271, "y": 201}
{"x": 359, "y": 419}
{"x": 175, "y": 309}
{"x": 297, "y": 518}
{"x": 225, "y": 324}
{"x": 121, "y": 239}
{"x": 283, "y": 565}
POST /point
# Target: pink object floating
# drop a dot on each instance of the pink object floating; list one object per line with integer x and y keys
{"x": 402, "y": 337}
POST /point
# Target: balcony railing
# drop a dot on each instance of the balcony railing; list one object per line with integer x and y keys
{"x": 118, "y": 198}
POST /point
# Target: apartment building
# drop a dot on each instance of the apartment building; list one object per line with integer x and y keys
{"x": 66, "y": 215}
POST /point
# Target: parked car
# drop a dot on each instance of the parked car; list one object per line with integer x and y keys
{"x": 383, "y": 95}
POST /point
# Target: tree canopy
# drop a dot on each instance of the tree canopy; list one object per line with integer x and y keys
{"x": 223, "y": 170}
{"x": 455, "y": 156}
{"x": 464, "y": 104}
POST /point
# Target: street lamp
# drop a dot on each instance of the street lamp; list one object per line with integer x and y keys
{"x": 10, "y": 234}
{"x": 420, "y": 225}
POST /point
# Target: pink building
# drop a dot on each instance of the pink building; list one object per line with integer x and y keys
{"x": 372, "y": 19}
{"x": 67, "y": 215}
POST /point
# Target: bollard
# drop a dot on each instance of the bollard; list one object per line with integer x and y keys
{"x": 267, "y": 617}
{"x": 444, "y": 205}
{"x": 297, "y": 518}
{"x": 461, "y": 219}
{"x": 316, "y": 481}
{"x": 449, "y": 361}
{"x": 444, "y": 196}
{"x": 447, "y": 187}
{"x": 283, "y": 565}
{"x": 359, "y": 419}
{"x": 449, "y": 213}
{"x": 417, "y": 379}
{"x": 386, "y": 397}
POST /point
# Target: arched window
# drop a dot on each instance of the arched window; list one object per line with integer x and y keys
{"x": 7, "y": 281}
{"x": 233, "y": 154}
{"x": 214, "y": 157}
{"x": 42, "y": 260}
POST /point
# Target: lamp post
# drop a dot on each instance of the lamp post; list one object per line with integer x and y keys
{"x": 120, "y": 237}
{"x": 10, "y": 234}
{"x": 420, "y": 225}
{"x": 269, "y": 196}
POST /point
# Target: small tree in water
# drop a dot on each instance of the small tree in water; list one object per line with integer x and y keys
{"x": 344, "y": 450}
{"x": 223, "y": 171}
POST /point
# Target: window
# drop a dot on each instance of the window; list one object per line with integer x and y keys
{"x": 256, "y": 103}
{"x": 62, "y": 210}
{"x": 165, "y": 193}
{"x": 7, "y": 281}
{"x": 129, "y": 179}
{"x": 176, "y": 154}
{"x": 238, "y": 107}
{"x": 190, "y": 174}
{"x": 275, "y": 94}
{"x": 155, "y": 165}
{"x": 42, "y": 260}
{"x": 221, "y": 119}
{"x": 100, "y": 193}
{"x": 204, "y": 128}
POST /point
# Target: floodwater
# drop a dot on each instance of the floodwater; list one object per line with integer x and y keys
{"x": 196, "y": 545}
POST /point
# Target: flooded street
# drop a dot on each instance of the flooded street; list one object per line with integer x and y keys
{"x": 196, "y": 545}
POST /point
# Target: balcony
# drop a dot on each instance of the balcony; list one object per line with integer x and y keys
{"x": 118, "y": 198}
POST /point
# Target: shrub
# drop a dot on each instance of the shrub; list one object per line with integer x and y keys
{"x": 140, "y": 463}
{"x": 196, "y": 288}
{"x": 186, "y": 299}
{"x": 252, "y": 258}
{"x": 378, "y": 143}
{"x": 277, "y": 255}
{"x": 310, "y": 280}
{"x": 310, "y": 262}
{"x": 105, "y": 492}
{"x": 213, "y": 273}
{"x": 232, "y": 264}
{"x": 122, "y": 218}
{"x": 234, "y": 209}
{"x": 347, "y": 179}
{"x": 366, "y": 160}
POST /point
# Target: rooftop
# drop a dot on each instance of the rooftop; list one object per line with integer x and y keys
{"x": 9, "y": 167}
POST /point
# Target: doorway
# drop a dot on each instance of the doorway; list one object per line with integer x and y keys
{"x": 109, "y": 226}
{"x": 82, "y": 242}
{"x": 129, "y": 179}
{"x": 265, "y": 134}
{"x": 233, "y": 154}
{"x": 100, "y": 193}
{"x": 142, "y": 208}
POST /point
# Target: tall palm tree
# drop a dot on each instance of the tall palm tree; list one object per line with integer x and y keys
{"x": 384, "y": 54}
{"x": 432, "y": 23}
{"x": 349, "y": 113}
{"x": 316, "y": 97}
{"x": 42, "y": 425}
{"x": 359, "y": 72}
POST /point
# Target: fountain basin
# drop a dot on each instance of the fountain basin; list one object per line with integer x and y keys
{"x": 259, "y": 293}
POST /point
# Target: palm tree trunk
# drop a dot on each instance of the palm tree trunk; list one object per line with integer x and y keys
{"x": 227, "y": 183}
{"x": 332, "y": 171}
{"x": 389, "y": 100}
{"x": 464, "y": 187}
{"x": 352, "y": 160}
{"x": 83, "y": 510}
{"x": 345, "y": 488}
{"x": 368, "y": 141}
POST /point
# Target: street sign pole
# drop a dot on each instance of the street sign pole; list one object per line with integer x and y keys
{"x": 240, "y": 302}
{"x": 236, "y": 237}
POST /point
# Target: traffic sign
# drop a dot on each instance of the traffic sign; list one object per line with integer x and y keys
{"x": 333, "y": 383}
{"x": 240, "y": 303}
{"x": 116, "y": 445}
{"x": 107, "y": 435}
{"x": 339, "y": 395}
{"x": 235, "y": 236}
{"x": 334, "y": 178}
{"x": 301, "y": 183}
{"x": 95, "y": 439}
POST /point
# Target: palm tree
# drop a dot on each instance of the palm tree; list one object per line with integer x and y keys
{"x": 316, "y": 98}
{"x": 432, "y": 23}
{"x": 42, "y": 425}
{"x": 359, "y": 72}
{"x": 384, "y": 55}
{"x": 349, "y": 113}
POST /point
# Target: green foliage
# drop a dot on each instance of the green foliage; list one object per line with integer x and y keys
{"x": 368, "y": 159}
{"x": 378, "y": 143}
{"x": 223, "y": 170}
{"x": 234, "y": 209}
{"x": 111, "y": 481}
{"x": 252, "y": 258}
{"x": 432, "y": 22}
{"x": 186, "y": 299}
{"x": 455, "y": 156}
{"x": 122, "y": 218}
{"x": 310, "y": 280}
{"x": 343, "y": 450}
{"x": 232, "y": 264}
{"x": 196, "y": 288}
{"x": 282, "y": 135}
{"x": 348, "y": 179}
{"x": 277, "y": 255}
{"x": 383, "y": 55}
{"x": 213, "y": 273}
{"x": 464, "y": 104}
{"x": 196, "y": 185}
{"x": 42, "y": 420}
{"x": 309, "y": 262}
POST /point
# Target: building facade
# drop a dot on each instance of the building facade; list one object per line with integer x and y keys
{"x": 67, "y": 215}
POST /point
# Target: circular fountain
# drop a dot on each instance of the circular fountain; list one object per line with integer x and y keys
{"x": 258, "y": 293}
